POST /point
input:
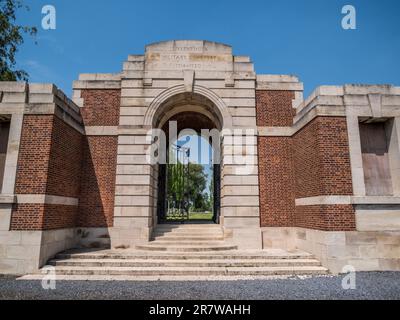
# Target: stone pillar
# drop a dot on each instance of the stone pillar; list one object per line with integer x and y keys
{"x": 134, "y": 194}
{"x": 240, "y": 205}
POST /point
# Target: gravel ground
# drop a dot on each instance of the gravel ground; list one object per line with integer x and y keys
{"x": 369, "y": 285}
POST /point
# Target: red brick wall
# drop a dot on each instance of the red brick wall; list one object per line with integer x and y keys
{"x": 96, "y": 203}
{"x": 326, "y": 217}
{"x": 43, "y": 217}
{"x": 101, "y": 107}
{"x": 64, "y": 173}
{"x": 274, "y": 108}
{"x": 314, "y": 162}
{"x": 34, "y": 154}
{"x": 49, "y": 163}
{"x": 322, "y": 167}
{"x": 276, "y": 179}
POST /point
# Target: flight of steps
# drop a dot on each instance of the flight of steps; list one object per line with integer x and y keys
{"x": 189, "y": 251}
{"x": 187, "y": 238}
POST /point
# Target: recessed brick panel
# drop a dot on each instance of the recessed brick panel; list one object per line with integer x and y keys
{"x": 322, "y": 167}
{"x": 65, "y": 162}
{"x": 314, "y": 162}
{"x": 322, "y": 158}
{"x": 326, "y": 217}
{"x": 96, "y": 202}
{"x": 276, "y": 178}
{"x": 49, "y": 162}
{"x": 33, "y": 217}
{"x": 34, "y": 154}
{"x": 101, "y": 107}
{"x": 274, "y": 108}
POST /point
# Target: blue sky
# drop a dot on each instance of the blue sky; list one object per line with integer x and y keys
{"x": 301, "y": 37}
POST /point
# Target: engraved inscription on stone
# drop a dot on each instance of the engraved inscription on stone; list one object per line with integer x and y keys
{"x": 196, "y": 61}
{"x": 193, "y": 57}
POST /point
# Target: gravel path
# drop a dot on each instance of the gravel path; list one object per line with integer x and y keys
{"x": 369, "y": 285}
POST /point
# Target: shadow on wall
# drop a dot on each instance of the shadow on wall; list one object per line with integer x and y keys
{"x": 96, "y": 201}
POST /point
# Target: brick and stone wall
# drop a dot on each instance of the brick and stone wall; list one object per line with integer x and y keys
{"x": 49, "y": 164}
{"x": 26, "y": 217}
{"x": 34, "y": 154}
{"x": 274, "y": 108}
{"x": 100, "y": 107}
{"x": 65, "y": 163}
{"x": 96, "y": 202}
{"x": 312, "y": 162}
{"x": 322, "y": 168}
{"x": 322, "y": 165}
{"x": 276, "y": 178}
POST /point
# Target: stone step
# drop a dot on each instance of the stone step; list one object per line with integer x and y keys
{"x": 169, "y": 278}
{"x": 184, "y": 271}
{"x": 185, "y": 248}
{"x": 191, "y": 230}
{"x": 168, "y": 242}
{"x": 142, "y": 255}
{"x": 184, "y": 263}
{"x": 188, "y": 232}
{"x": 170, "y": 237}
{"x": 189, "y": 226}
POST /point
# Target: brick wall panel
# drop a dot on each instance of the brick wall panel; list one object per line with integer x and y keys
{"x": 274, "y": 108}
{"x": 34, "y": 217}
{"x": 101, "y": 107}
{"x": 322, "y": 167}
{"x": 276, "y": 178}
{"x": 49, "y": 162}
{"x": 34, "y": 154}
{"x": 98, "y": 181}
{"x": 65, "y": 162}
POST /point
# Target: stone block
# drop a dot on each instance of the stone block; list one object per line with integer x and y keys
{"x": 5, "y": 218}
{"x": 241, "y": 222}
{"x": 132, "y": 211}
{"x": 378, "y": 220}
{"x": 133, "y": 200}
{"x": 10, "y": 237}
{"x": 359, "y": 238}
{"x": 132, "y": 179}
{"x": 240, "y": 201}
{"x": 241, "y": 211}
{"x": 364, "y": 264}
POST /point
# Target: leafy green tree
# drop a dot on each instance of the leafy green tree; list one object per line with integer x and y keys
{"x": 11, "y": 37}
{"x": 189, "y": 183}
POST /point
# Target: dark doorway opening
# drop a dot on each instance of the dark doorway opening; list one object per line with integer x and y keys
{"x": 189, "y": 184}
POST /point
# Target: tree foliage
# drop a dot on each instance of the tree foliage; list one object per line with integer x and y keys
{"x": 188, "y": 183}
{"x": 11, "y": 37}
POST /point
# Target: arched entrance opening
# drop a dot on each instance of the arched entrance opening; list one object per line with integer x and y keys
{"x": 188, "y": 184}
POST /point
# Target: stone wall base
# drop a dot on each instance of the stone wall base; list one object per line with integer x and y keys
{"x": 125, "y": 238}
{"x": 23, "y": 252}
{"x": 244, "y": 238}
{"x": 364, "y": 250}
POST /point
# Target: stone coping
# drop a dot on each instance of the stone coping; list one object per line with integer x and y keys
{"x": 98, "y": 81}
{"x": 338, "y": 92}
{"x": 37, "y": 199}
{"x": 278, "y": 82}
{"x": 343, "y": 200}
{"x": 39, "y": 98}
{"x": 7, "y": 199}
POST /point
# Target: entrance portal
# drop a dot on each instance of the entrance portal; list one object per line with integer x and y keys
{"x": 189, "y": 183}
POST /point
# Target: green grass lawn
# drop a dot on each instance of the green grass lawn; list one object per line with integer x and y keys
{"x": 200, "y": 216}
{"x": 193, "y": 216}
